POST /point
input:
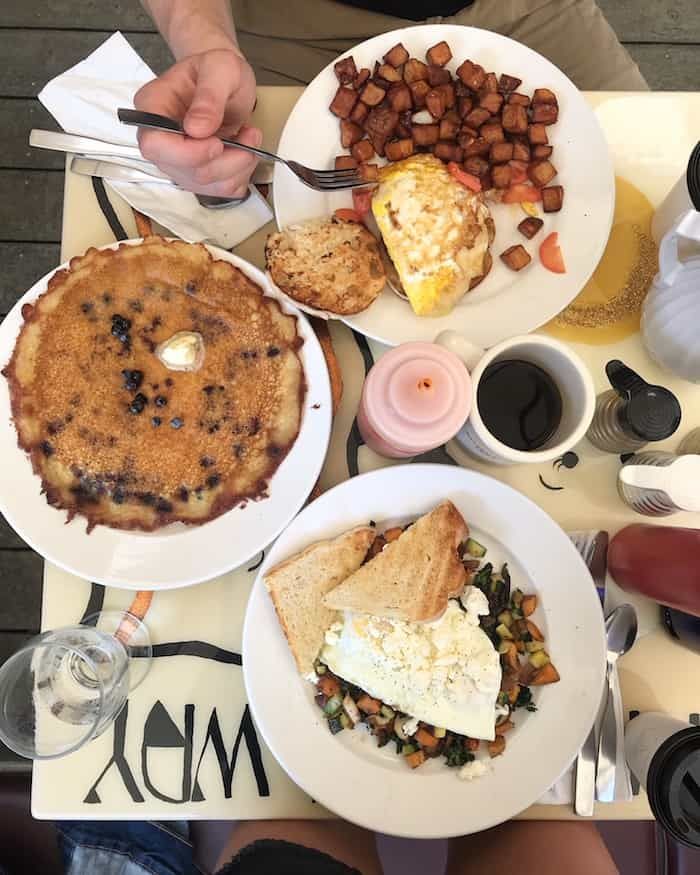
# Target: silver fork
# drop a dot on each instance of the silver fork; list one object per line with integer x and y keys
{"x": 320, "y": 180}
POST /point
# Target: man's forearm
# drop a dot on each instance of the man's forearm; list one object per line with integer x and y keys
{"x": 193, "y": 26}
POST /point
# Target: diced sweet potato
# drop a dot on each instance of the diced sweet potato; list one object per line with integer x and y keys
{"x": 476, "y": 165}
{"x": 519, "y": 99}
{"x": 346, "y": 162}
{"x": 368, "y": 705}
{"x": 372, "y": 94}
{"x": 362, "y": 151}
{"x": 369, "y": 172}
{"x": 405, "y": 126}
{"x": 480, "y": 146}
{"x": 426, "y": 739}
{"x": 500, "y": 174}
{"x": 328, "y": 685}
{"x": 362, "y": 76}
{"x": 439, "y": 54}
{"x": 537, "y": 135}
{"x": 448, "y": 90}
{"x": 426, "y": 135}
{"x": 477, "y": 117}
{"x": 529, "y": 603}
{"x": 473, "y": 75}
{"x": 415, "y": 70}
{"x": 396, "y": 56}
{"x": 528, "y": 228}
{"x": 496, "y": 748}
{"x": 438, "y": 75}
{"x": 448, "y": 152}
{"x": 419, "y": 89}
{"x": 464, "y": 106}
{"x": 504, "y": 727}
{"x": 514, "y": 118}
{"x": 545, "y": 675}
{"x": 510, "y": 657}
{"x": 416, "y": 759}
{"x": 350, "y": 133}
{"x": 492, "y": 132}
{"x": 399, "y": 97}
{"x": 542, "y": 152}
{"x": 541, "y": 172}
{"x": 343, "y": 102}
{"x": 508, "y": 83}
{"x": 500, "y": 153}
{"x": 359, "y": 113}
{"x": 544, "y": 95}
{"x": 389, "y": 73}
{"x": 345, "y": 70}
{"x": 435, "y": 103}
{"x": 491, "y": 100}
{"x": 397, "y": 150}
{"x": 552, "y": 202}
{"x": 545, "y": 113}
{"x": 448, "y": 129}
{"x": 534, "y": 631}
{"x": 381, "y": 121}
{"x": 521, "y": 150}
{"x": 516, "y": 257}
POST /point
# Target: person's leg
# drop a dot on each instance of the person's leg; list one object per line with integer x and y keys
{"x": 548, "y": 847}
{"x": 351, "y": 845}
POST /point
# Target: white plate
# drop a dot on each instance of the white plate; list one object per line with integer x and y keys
{"x": 505, "y": 303}
{"x": 373, "y": 787}
{"x": 177, "y": 555}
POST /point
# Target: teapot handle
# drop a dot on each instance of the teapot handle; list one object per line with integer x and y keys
{"x": 688, "y": 226}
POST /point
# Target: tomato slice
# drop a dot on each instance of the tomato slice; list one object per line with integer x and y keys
{"x": 347, "y": 215}
{"x": 550, "y": 254}
{"x": 468, "y": 180}
{"x": 362, "y": 201}
{"x": 521, "y": 193}
{"x": 518, "y": 172}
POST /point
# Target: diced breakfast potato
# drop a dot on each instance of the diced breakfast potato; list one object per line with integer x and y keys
{"x": 528, "y": 228}
{"x": 368, "y": 705}
{"x": 328, "y": 685}
{"x": 350, "y": 133}
{"x": 476, "y": 165}
{"x": 345, "y": 70}
{"x": 537, "y": 135}
{"x": 415, "y": 759}
{"x": 369, "y": 172}
{"x": 381, "y": 122}
{"x": 492, "y": 101}
{"x": 492, "y": 132}
{"x": 448, "y": 90}
{"x": 501, "y": 153}
{"x": 521, "y": 151}
{"x": 508, "y": 83}
{"x": 405, "y": 125}
{"x": 359, "y": 113}
{"x": 496, "y": 748}
{"x": 343, "y": 102}
{"x": 439, "y": 54}
{"x": 389, "y": 73}
{"x": 419, "y": 89}
{"x": 372, "y": 94}
{"x": 477, "y": 117}
{"x": 479, "y": 146}
{"x": 552, "y": 202}
{"x": 396, "y": 56}
{"x": 544, "y": 95}
{"x": 534, "y": 631}
{"x": 490, "y": 83}
{"x": 504, "y": 727}
{"x": 399, "y": 96}
{"x": 448, "y": 128}
{"x": 438, "y": 75}
{"x": 435, "y": 103}
{"x": 540, "y": 152}
{"x": 378, "y": 142}
{"x": 514, "y": 118}
{"x": 362, "y": 76}
{"x": 415, "y": 70}
{"x": 545, "y": 113}
{"x": 464, "y": 106}
{"x": 345, "y": 162}
{"x": 519, "y": 99}
{"x": 473, "y": 75}
{"x": 467, "y": 136}
{"x": 529, "y": 603}
{"x": 397, "y": 150}
{"x": 500, "y": 175}
{"x": 541, "y": 172}
{"x": 545, "y": 675}
{"x": 516, "y": 257}
{"x": 362, "y": 151}
{"x": 426, "y": 739}
{"x": 426, "y": 135}
{"x": 448, "y": 152}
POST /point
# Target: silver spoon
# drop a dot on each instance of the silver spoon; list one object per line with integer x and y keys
{"x": 621, "y": 628}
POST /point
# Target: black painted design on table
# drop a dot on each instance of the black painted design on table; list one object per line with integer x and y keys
{"x": 108, "y": 211}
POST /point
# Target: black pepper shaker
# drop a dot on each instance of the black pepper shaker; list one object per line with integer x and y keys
{"x": 632, "y": 413}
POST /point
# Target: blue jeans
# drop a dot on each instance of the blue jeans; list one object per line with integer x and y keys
{"x": 126, "y": 848}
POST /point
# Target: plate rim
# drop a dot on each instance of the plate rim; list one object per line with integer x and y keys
{"x": 259, "y": 593}
{"x": 321, "y": 386}
{"x": 373, "y": 333}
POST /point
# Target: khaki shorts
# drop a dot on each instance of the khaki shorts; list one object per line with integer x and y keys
{"x": 290, "y": 41}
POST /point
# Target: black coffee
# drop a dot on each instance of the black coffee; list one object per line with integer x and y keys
{"x": 519, "y": 403}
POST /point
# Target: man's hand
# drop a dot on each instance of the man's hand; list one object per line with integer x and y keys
{"x": 213, "y": 94}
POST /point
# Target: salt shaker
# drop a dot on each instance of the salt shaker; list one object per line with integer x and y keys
{"x": 632, "y": 413}
{"x": 690, "y": 443}
{"x": 659, "y": 484}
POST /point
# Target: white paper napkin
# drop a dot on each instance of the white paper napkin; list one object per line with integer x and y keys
{"x": 84, "y": 100}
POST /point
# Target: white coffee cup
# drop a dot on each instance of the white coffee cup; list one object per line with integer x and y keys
{"x": 566, "y": 369}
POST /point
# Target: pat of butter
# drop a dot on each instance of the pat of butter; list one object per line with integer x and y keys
{"x": 184, "y": 351}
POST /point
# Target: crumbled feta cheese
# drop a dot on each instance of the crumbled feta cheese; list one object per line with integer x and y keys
{"x": 472, "y": 770}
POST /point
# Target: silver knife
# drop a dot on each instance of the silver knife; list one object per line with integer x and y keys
{"x": 113, "y": 170}
{"x": 60, "y": 142}
{"x": 593, "y": 547}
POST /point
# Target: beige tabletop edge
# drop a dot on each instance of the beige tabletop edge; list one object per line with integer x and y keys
{"x": 656, "y": 674}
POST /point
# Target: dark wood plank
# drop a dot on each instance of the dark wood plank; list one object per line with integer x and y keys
{"x": 668, "y": 67}
{"x": 17, "y": 118}
{"x": 10, "y": 642}
{"x": 20, "y": 589}
{"x": 31, "y": 205}
{"x": 8, "y": 538}
{"x": 89, "y": 14}
{"x": 653, "y": 21}
{"x": 30, "y": 58}
{"x": 23, "y": 264}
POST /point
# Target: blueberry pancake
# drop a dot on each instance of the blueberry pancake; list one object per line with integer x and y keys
{"x": 125, "y": 439}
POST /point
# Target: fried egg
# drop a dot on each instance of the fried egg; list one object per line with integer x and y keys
{"x": 436, "y": 231}
{"x": 446, "y": 673}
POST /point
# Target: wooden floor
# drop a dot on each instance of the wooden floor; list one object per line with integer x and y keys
{"x": 41, "y": 38}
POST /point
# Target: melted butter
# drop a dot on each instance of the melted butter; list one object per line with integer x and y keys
{"x": 609, "y": 306}
{"x": 184, "y": 351}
